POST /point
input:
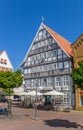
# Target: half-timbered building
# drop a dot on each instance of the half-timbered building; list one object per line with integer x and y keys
{"x": 48, "y": 64}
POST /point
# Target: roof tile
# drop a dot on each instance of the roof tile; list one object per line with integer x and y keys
{"x": 66, "y": 45}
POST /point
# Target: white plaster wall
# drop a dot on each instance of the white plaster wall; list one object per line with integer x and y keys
{"x": 4, "y": 55}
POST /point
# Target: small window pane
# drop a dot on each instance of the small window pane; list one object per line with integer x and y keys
{"x": 66, "y": 65}
{"x": 60, "y": 65}
{"x": 59, "y": 51}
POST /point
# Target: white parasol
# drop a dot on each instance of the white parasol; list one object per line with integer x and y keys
{"x": 33, "y": 93}
{"x": 54, "y": 93}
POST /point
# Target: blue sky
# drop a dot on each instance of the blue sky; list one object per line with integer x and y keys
{"x": 20, "y": 20}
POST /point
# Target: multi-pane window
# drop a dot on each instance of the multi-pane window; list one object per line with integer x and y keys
{"x": 66, "y": 97}
{"x": 27, "y": 83}
{"x": 32, "y": 82}
{"x": 59, "y": 56}
{"x": 36, "y": 62}
{"x": 35, "y": 82}
{"x": 38, "y": 45}
{"x": 71, "y": 64}
{"x": 38, "y": 56}
{"x": 44, "y": 82}
{"x": 25, "y": 71}
{"x": 32, "y": 70}
{"x": 39, "y": 82}
{"x": 45, "y": 68}
{"x": 42, "y": 55}
{"x": 59, "y": 53}
{"x": 38, "y": 69}
{"x": 57, "y": 81}
{"x": 49, "y": 41}
{"x": 49, "y": 81}
{"x": 32, "y": 60}
{"x": 46, "y": 42}
{"x": 29, "y": 70}
{"x": 49, "y": 54}
{"x": 55, "y": 66}
{"x": 66, "y": 64}
{"x": 65, "y": 82}
{"x": 60, "y": 65}
{"x": 42, "y": 43}
{"x": 54, "y": 54}
{"x": 45, "y": 55}
{"x": 50, "y": 66}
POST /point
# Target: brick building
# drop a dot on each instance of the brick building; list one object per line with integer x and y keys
{"x": 77, "y": 57}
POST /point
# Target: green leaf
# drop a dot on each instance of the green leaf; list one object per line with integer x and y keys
{"x": 77, "y": 75}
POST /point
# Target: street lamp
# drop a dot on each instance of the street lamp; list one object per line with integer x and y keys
{"x": 36, "y": 103}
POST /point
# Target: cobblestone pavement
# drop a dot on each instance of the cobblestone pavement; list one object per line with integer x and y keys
{"x": 23, "y": 119}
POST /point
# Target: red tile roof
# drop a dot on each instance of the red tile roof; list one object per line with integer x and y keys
{"x": 66, "y": 45}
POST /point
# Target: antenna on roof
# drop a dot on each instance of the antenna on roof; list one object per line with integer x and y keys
{"x": 42, "y": 19}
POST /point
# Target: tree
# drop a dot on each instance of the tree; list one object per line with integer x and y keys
{"x": 10, "y": 80}
{"x": 7, "y": 91}
{"x": 77, "y": 75}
